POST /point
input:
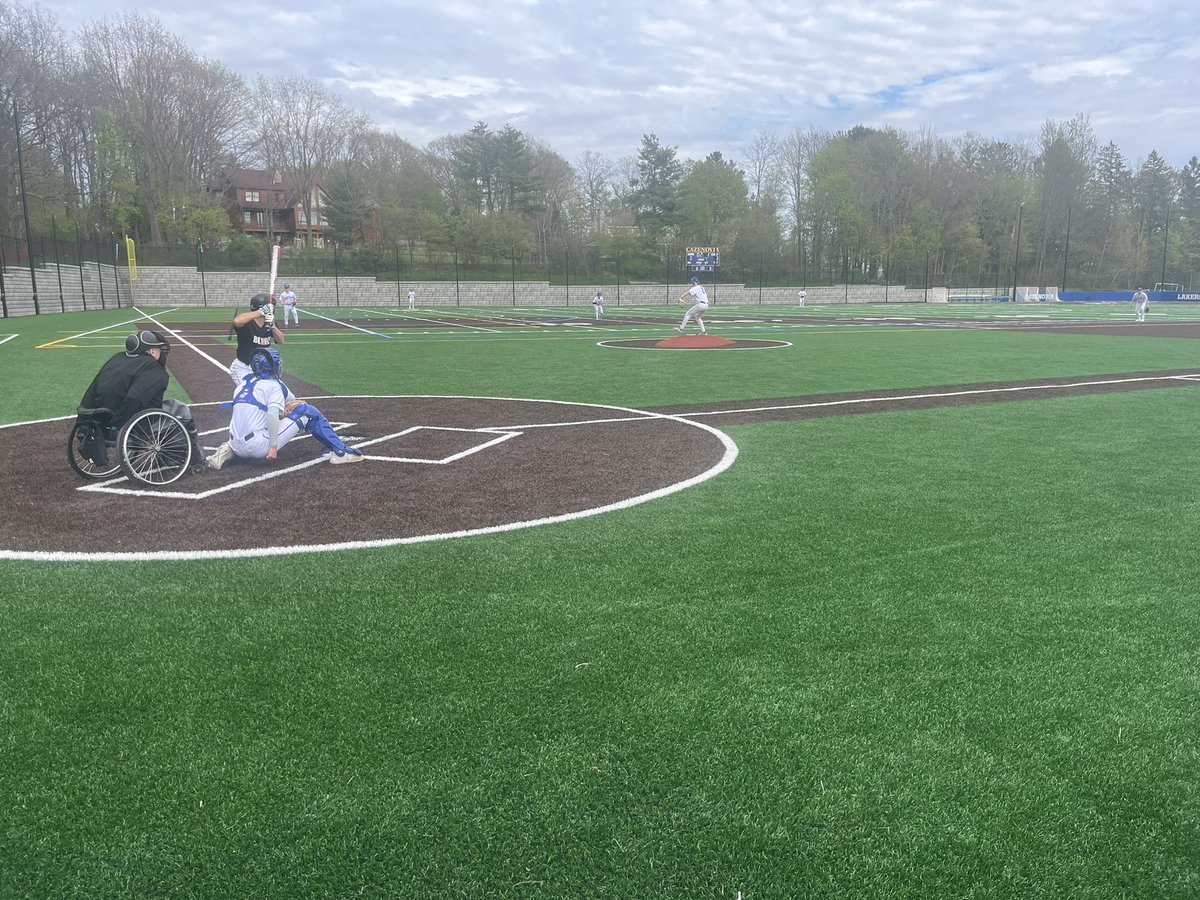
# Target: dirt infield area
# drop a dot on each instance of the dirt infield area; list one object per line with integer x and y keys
{"x": 436, "y": 467}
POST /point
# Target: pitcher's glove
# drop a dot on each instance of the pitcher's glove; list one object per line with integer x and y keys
{"x": 683, "y": 301}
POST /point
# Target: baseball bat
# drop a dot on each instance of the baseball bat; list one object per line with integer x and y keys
{"x": 274, "y": 270}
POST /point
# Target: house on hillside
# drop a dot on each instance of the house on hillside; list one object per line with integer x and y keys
{"x": 270, "y": 205}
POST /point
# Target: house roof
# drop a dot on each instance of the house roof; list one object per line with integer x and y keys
{"x": 263, "y": 180}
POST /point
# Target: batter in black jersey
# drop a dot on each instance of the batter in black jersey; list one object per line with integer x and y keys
{"x": 255, "y": 330}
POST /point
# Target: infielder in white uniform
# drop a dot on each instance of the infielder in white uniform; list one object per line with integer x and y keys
{"x": 291, "y": 309}
{"x": 412, "y": 299}
{"x": 264, "y": 420}
{"x": 699, "y": 307}
{"x": 803, "y": 295}
{"x": 1141, "y": 303}
{"x": 598, "y": 303}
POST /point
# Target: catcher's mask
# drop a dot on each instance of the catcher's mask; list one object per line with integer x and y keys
{"x": 266, "y": 363}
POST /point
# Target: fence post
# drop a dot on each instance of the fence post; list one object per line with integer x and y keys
{"x": 79, "y": 259}
{"x": 57, "y": 267}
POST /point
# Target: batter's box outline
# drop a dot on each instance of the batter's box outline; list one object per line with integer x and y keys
{"x": 498, "y": 436}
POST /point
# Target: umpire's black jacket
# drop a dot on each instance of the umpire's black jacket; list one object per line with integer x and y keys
{"x": 127, "y": 385}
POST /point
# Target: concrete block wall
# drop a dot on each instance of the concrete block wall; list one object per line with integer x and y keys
{"x": 184, "y": 286}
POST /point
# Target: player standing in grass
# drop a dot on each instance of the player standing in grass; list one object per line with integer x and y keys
{"x": 699, "y": 306}
{"x": 1141, "y": 303}
{"x": 598, "y": 303}
{"x": 803, "y": 295}
{"x": 291, "y": 309}
{"x": 412, "y": 299}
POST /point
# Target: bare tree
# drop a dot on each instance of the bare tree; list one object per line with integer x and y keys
{"x": 176, "y": 111}
{"x": 762, "y": 169}
{"x": 302, "y": 130}
{"x": 594, "y": 174}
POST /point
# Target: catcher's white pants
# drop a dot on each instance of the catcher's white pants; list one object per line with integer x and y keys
{"x": 695, "y": 313}
{"x": 256, "y": 444}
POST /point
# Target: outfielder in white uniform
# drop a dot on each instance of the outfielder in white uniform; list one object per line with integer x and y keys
{"x": 598, "y": 303}
{"x": 699, "y": 307}
{"x": 264, "y": 420}
{"x": 803, "y": 295}
{"x": 412, "y": 299}
{"x": 1141, "y": 303}
{"x": 291, "y": 309}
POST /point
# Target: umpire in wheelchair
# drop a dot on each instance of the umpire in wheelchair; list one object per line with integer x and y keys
{"x": 129, "y": 383}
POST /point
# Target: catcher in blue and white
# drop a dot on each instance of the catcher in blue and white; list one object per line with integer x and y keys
{"x": 265, "y": 419}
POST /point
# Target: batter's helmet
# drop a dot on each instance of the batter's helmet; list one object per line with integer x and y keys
{"x": 258, "y": 301}
{"x": 266, "y": 362}
{"x": 141, "y": 341}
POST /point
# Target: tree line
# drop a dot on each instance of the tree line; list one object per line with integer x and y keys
{"x": 123, "y": 129}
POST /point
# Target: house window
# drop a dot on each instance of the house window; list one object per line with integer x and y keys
{"x": 251, "y": 196}
{"x": 253, "y": 218}
{"x": 246, "y": 218}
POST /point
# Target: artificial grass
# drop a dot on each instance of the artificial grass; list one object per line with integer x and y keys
{"x": 938, "y": 653}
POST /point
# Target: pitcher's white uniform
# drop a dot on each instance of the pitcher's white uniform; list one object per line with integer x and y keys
{"x": 699, "y": 308}
{"x": 290, "y": 307}
{"x": 598, "y": 303}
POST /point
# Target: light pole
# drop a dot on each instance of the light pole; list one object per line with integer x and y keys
{"x": 1017, "y": 251}
{"x": 1166, "y": 231}
{"x": 25, "y": 207}
{"x": 1066, "y": 249}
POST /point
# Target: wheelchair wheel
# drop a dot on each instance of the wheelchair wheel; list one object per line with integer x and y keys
{"x": 82, "y": 434}
{"x": 154, "y": 448}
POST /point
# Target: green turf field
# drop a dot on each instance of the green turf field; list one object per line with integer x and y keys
{"x": 935, "y": 653}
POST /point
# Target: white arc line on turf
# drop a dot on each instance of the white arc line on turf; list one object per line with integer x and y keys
{"x": 348, "y": 325}
{"x": 179, "y": 337}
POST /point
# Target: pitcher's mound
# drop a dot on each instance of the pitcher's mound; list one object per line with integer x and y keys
{"x": 695, "y": 342}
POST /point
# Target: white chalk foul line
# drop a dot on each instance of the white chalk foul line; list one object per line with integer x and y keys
{"x": 939, "y": 394}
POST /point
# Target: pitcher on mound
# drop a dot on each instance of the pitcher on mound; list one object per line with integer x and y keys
{"x": 699, "y": 306}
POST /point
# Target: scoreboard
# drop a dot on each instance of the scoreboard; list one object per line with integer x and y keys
{"x": 703, "y": 259}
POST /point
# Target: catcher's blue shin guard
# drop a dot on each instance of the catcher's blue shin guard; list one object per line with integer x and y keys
{"x": 318, "y": 426}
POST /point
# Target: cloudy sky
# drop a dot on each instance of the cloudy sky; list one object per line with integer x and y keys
{"x": 712, "y": 74}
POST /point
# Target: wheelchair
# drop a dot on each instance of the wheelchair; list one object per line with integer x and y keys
{"x": 153, "y": 447}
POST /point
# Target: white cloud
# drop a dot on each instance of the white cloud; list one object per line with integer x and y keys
{"x": 713, "y": 73}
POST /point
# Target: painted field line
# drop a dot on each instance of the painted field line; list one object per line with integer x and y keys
{"x": 179, "y": 337}
{"x": 7, "y": 338}
{"x": 444, "y": 321}
{"x": 941, "y": 394}
{"x": 81, "y": 334}
{"x": 348, "y": 325}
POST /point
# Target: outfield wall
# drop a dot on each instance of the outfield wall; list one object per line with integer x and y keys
{"x": 1127, "y": 296}
{"x": 72, "y": 288}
